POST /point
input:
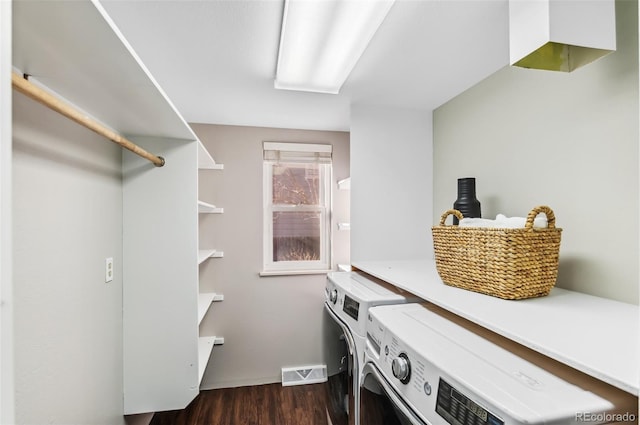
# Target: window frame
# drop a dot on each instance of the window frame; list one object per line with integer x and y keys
{"x": 325, "y": 172}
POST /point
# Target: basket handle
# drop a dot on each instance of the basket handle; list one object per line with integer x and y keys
{"x": 551, "y": 218}
{"x": 446, "y": 214}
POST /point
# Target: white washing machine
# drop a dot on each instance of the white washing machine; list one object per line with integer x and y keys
{"x": 428, "y": 366}
{"x": 348, "y": 296}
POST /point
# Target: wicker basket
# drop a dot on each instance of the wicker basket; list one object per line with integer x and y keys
{"x": 505, "y": 263}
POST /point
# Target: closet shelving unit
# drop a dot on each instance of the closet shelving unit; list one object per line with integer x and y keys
{"x": 344, "y": 184}
{"x": 206, "y": 299}
{"x": 74, "y": 50}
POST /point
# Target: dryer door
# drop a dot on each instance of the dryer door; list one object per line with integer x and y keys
{"x": 380, "y": 404}
{"x": 339, "y": 349}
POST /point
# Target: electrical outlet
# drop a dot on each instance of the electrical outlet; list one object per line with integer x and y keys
{"x": 108, "y": 270}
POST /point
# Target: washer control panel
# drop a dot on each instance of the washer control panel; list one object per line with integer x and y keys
{"x": 418, "y": 380}
{"x": 351, "y": 307}
{"x": 401, "y": 368}
{"x": 413, "y": 377}
{"x": 458, "y": 409}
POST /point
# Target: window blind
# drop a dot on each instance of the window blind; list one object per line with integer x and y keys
{"x": 297, "y": 152}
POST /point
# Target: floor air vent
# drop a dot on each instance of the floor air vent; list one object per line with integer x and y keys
{"x": 303, "y": 375}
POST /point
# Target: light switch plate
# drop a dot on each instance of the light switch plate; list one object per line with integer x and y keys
{"x": 108, "y": 270}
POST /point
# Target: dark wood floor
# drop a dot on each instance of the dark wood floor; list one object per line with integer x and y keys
{"x": 270, "y": 404}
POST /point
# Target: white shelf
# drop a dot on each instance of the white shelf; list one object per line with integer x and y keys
{"x": 205, "y": 254}
{"x": 345, "y": 184}
{"x": 205, "y": 299}
{"x": 205, "y": 208}
{"x": 205, "y": 348}
{"x": 50, "y": 42}
{"x": 595, "y": 335}
{"x": 205, "y": 160}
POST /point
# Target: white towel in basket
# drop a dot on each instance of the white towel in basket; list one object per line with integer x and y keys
{"x": 503, "y": 222}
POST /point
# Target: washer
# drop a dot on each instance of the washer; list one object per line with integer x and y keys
{"x": 348, "y": 296}
{"x": 432, "y": 367}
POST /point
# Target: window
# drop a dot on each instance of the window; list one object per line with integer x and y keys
{"x": 297, "y": 207}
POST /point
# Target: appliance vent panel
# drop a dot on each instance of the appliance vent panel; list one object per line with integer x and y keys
{"x": 304, "y": 375}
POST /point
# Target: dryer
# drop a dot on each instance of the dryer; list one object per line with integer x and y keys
{"x": 348, "y": 297}
{"x": 432, "y": 367}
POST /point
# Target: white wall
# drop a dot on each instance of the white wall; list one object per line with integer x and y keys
{"x": 67, "y": 215}
{"x": 6, "y": 279}
{"x": 566, "y": 140}
{"x": 391, "y": 181}
{"x": 267, "y": 322}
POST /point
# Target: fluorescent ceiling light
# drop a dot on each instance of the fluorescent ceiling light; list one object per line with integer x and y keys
{"x": 322, "y": 40}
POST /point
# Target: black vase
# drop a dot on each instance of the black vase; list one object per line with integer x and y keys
{"x": 467, "y": 203}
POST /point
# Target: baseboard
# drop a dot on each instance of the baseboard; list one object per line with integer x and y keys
{"x": 242, "y": 383}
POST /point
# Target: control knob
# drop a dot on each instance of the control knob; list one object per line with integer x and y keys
{"x": 333, "y": 296}
{"x": 401, "y": 368}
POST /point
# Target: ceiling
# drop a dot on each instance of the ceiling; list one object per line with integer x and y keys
{"x": 216, "y": 59}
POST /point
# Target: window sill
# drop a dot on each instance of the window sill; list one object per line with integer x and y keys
{"x": 265, "y": 273}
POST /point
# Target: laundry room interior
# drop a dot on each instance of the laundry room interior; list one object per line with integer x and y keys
{"x": 182, "y": 216}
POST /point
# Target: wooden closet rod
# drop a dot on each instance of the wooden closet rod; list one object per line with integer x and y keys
{"x": 36, "y": 93}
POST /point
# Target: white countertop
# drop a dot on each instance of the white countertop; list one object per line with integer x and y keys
{"x": 597, "y": 336}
